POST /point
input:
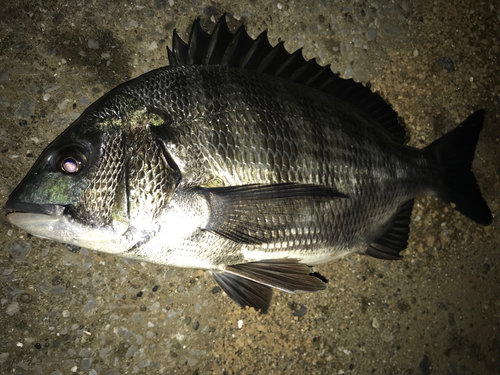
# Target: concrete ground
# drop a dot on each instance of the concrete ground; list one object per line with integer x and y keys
{"x": 435, "y": 312}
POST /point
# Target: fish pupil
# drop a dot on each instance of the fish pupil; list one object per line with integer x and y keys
{"x": 71, "y": 158}
{"x": 70, "y": 165}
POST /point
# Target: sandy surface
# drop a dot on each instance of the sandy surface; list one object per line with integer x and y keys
{"x": 435, "y": 312}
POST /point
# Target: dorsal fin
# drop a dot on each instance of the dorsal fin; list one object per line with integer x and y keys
{"x": 239, "y": 50}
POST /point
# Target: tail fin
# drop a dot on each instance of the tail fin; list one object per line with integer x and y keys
{"x": 454, "y": 153}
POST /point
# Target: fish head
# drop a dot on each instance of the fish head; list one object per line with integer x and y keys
{"x": 77, "y": 192}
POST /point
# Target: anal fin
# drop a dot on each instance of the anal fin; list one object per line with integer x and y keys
{"x": 395, "y": 238}
{"x": 250, "y": 283}
{"x": 245, "y": 292}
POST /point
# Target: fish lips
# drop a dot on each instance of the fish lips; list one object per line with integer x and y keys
{"x": 44, "y": 209}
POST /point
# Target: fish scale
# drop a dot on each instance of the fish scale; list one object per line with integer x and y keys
{"x": 245, "y": 160}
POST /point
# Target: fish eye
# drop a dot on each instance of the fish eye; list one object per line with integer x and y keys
{"x": 71, "y": 159}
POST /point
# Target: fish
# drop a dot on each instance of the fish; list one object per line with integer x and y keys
{"x": 245, "y": 160}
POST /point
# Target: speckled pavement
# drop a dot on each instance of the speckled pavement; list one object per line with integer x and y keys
{"x": 435, "y": 312}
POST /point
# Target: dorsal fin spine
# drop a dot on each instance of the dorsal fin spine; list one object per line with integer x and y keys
{"x": 240, "y": 42}
{"x": 271, "y": 62}
{"x": 259, "y": 49}
{"x": 220, "y": 39}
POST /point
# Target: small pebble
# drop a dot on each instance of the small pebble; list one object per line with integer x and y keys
{"x": 25, "y": 298}
{"x": 144, "y": 363}
{"x": 300, "y": 312}
{"x": 84, "y": 101}
{"x": 37, "y": 65}
{"x": 125, "y": 332}
{"x": 370, "y": 33}
{"x": 12, "y": 308}
{"x": 348, "y": 72}
{"x": 85, "y": 352}
{"x": 26, "y": 108}
{"x": 74, "y": 249}
{"x": 50, "y": 88}
{"x": 104, "y": 352}
{"x": 18, "y": 250}
{"x": 91, "y": 304}
{"x": 83, "y": 251}
{"x": 93, "y": 44}
{"x": 86, "y": 266}
{"x": 57, "y": 20}
{"x": 4, "y": 76}
{"x": 447, "y": 64}
{"x": 86, "y": 363}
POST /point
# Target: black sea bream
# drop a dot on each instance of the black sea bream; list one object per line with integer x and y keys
{"x": 244, "y": 160}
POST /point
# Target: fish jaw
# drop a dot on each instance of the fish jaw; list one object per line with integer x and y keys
{"x": 52, "y": 222}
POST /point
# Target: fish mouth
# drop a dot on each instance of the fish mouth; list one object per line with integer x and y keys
{"x": 32, "y": 217}
{"x": 54, "y": 222}
{"x": 30, "y": 208}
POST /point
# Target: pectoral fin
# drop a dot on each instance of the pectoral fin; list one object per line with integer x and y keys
{"x": 255, "y": 214}
{"x": 250, "y": 283}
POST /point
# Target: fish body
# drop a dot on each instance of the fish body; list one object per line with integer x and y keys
{"x": 247, "y": 141}
{"x": 244, "y": 160}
